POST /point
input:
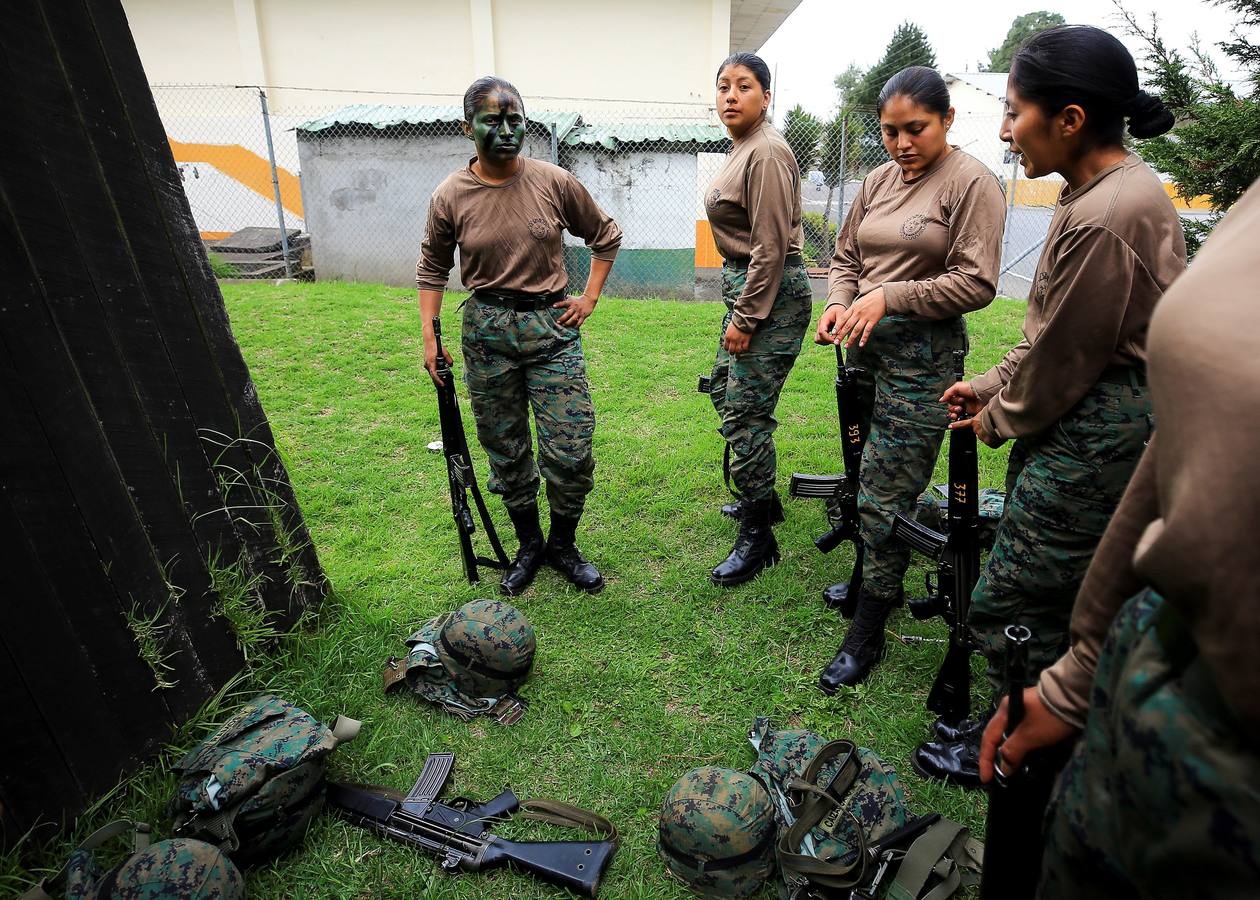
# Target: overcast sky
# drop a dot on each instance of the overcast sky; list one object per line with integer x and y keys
{"x": 821, "y": 37}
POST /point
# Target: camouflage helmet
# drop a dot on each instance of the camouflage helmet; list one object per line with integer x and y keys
{"x": 487, "y": 646}
{"x": 717, "y": 832}
{"x": 179, "y": 869}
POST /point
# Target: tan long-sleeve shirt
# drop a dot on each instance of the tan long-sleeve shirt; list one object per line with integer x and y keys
{"x": 754, "y": 209}
{"x": 934, "y": 244}
{"x": 510, "y": 235}
{"x": 1187, "y": 523}
{"x": 1114, "y": 246}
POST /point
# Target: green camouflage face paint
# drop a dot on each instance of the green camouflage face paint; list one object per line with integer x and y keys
{"x": 498, "y": 128}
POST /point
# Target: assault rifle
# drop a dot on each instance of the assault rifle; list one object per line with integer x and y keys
{"x": 1013, "y": 839}
{"x": 456, "y": 832}
{"x": 840, "y": 491}
{"x": 460, "y": 474}
{"x": 957, "y": 555}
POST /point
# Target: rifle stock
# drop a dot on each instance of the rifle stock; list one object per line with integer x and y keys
{"x": 460, "y": 476}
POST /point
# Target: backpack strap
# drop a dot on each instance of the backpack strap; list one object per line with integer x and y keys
{"x": 345, "y": 729}
{"x": 810, "y": 810}
{"x": 566, "y": 815}
{"x": 946, "y": 850}
{"x": 140, "y": 832}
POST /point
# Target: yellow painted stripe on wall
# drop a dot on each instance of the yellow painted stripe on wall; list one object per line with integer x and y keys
{"x": 1046, "y": 193}
{"x": 707, "y": 256}
{"x": 245, "y": 166}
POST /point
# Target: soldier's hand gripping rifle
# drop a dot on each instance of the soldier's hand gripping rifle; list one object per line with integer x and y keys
{"x": 957, "y": 555}
{"x": 840, "y": 491}
{"x": 460, "y": 474}
{"x": 1013, "y": 840}
{"x": 457, "y": 832}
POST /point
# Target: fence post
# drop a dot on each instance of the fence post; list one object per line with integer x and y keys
{"x": 1010, "y": 205}
{"x": 275, "y": 181}
{"x": 555, "y": 146}
{"x": 844, "y": 167}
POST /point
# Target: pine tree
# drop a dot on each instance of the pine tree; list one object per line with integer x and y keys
{"x": 1214, "y": 149}
{"x": 802, "y": 132}
{"x": 1021, "y": 30}
{"x": 909, "y": 47}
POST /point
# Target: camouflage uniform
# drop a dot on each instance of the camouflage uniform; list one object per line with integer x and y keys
{"x": 906, "y": 365}
{"x": 517, "y": 360}
{"x": 1062, "y": 488}
{"x": 1162, "y": 796}
{"x": 744, "y": 388}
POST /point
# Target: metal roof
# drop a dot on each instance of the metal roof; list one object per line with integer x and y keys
{"x": 612, "y": 135}
{"x": 991, "y": 83}
{"x": 381, "y": 117}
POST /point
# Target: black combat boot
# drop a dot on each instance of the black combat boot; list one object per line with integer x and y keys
{"x": 836, "y": 596}
{"x": 736, "y": 509}
{"x": 755, "y": 546}
{"x": 863, "y": 646}
{"x": 948, "y": 732}
{"x": 565, "y": 558}
{"x": 953, "y": 762}
{"x": 529, "y": 557}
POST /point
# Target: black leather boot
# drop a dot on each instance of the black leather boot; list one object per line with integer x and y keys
{"x": 520, "y": 574}
{"x": 736, "y": 509}
{"x": 947, "y": 732}
{"x": 565, "y": 558}
{"x": 836, "y": 596}
{"x": 863, "y": 646}
{"x": 953, "y": 762}
{"x": 755, "y": 546}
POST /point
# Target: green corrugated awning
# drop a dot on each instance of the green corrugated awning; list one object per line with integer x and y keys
{"x": 613, "y": 135}
{"x": 382, "y": 116}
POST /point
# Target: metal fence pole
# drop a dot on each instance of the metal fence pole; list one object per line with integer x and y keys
{"x": 1010, "y": 206}
{"x": 275, "y": 181}
{"x": 555, "y": 146}
{"x": 844, "y": 166}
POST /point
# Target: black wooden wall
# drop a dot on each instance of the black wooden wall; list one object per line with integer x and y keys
{"x": 136, "y": 462}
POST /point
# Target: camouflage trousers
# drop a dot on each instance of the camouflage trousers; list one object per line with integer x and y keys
{"x": 515, "y": 362}
{"x": 744, "y": 388}
{"x": 1062, "y": 488}
{"x": 1162, "y": 796}
{"x": 906, "y": 365}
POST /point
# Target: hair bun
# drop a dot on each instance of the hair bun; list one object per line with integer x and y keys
{"x": 1148, "y": 116}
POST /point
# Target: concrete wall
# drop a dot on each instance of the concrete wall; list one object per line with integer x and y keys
{"x": 367, "y": 198}
{"x": 649, "y": 194}
{"x": 556, "y": 48}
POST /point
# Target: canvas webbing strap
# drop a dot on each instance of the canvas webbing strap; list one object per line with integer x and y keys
{"x": 566, "y": 815}
{"x": 811, "y": 810}
{"x": 140, "y": 841}
{"x": 345, "y": 729}
{"x": 946, "y": 850}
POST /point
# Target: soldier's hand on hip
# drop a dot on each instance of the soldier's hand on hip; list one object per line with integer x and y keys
{"x": 860, "y": 319}
{"x": 577, "y": 310}
{"x": 430, "y": 360}
{"x": 735, "y": 340}
{"x": 1040, "y": 728}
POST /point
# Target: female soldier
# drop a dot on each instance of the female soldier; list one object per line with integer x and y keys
{"x": 521, "y": 343}
{"x": 1072, "y": 393}
{"x": 754, "y": 207}
{"x": 920, "y": 247}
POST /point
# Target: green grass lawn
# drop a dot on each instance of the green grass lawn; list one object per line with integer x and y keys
{"x": 659, "y": 674}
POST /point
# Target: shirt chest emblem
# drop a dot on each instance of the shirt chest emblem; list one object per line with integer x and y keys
{"x": 914, "y": 226}
{"x": 539, "y": 230}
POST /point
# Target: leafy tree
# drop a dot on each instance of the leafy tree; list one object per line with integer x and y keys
{"x": 909, "y": 47}
{"x": 843, "y": 127}
{"x": 1214, "y": 149}
{"x": 1022, "y": 29}
{"x": 802, "y": 132}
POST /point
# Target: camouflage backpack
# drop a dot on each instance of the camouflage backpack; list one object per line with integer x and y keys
{"x": 470, "y": 662}
{"x": 254, "y": 785}
{"x": 168, "y": 870}
{"x": 717, "y": 832}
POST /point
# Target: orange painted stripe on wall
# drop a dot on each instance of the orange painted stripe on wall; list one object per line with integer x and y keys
{"x": 707, "y": 256}
{"x": 1046, "y": 193}
{"x": 244, "y": 166}
{"x": 214, "y": 235}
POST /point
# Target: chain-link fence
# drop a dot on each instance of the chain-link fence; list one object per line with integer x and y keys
{"x": 340, "y": 190}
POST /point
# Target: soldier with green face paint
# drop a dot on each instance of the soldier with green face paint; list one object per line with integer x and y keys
{"x": 521, "y": 340}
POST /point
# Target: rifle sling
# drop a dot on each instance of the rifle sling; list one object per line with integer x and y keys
{"x": 566, "y": 815}
{"x": 478, "y": 666}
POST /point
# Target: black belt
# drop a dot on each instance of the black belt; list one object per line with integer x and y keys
{"x": 792, "y": 259}
{"x": 521, "y": 301}
{"x": 1118, "y": 374}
